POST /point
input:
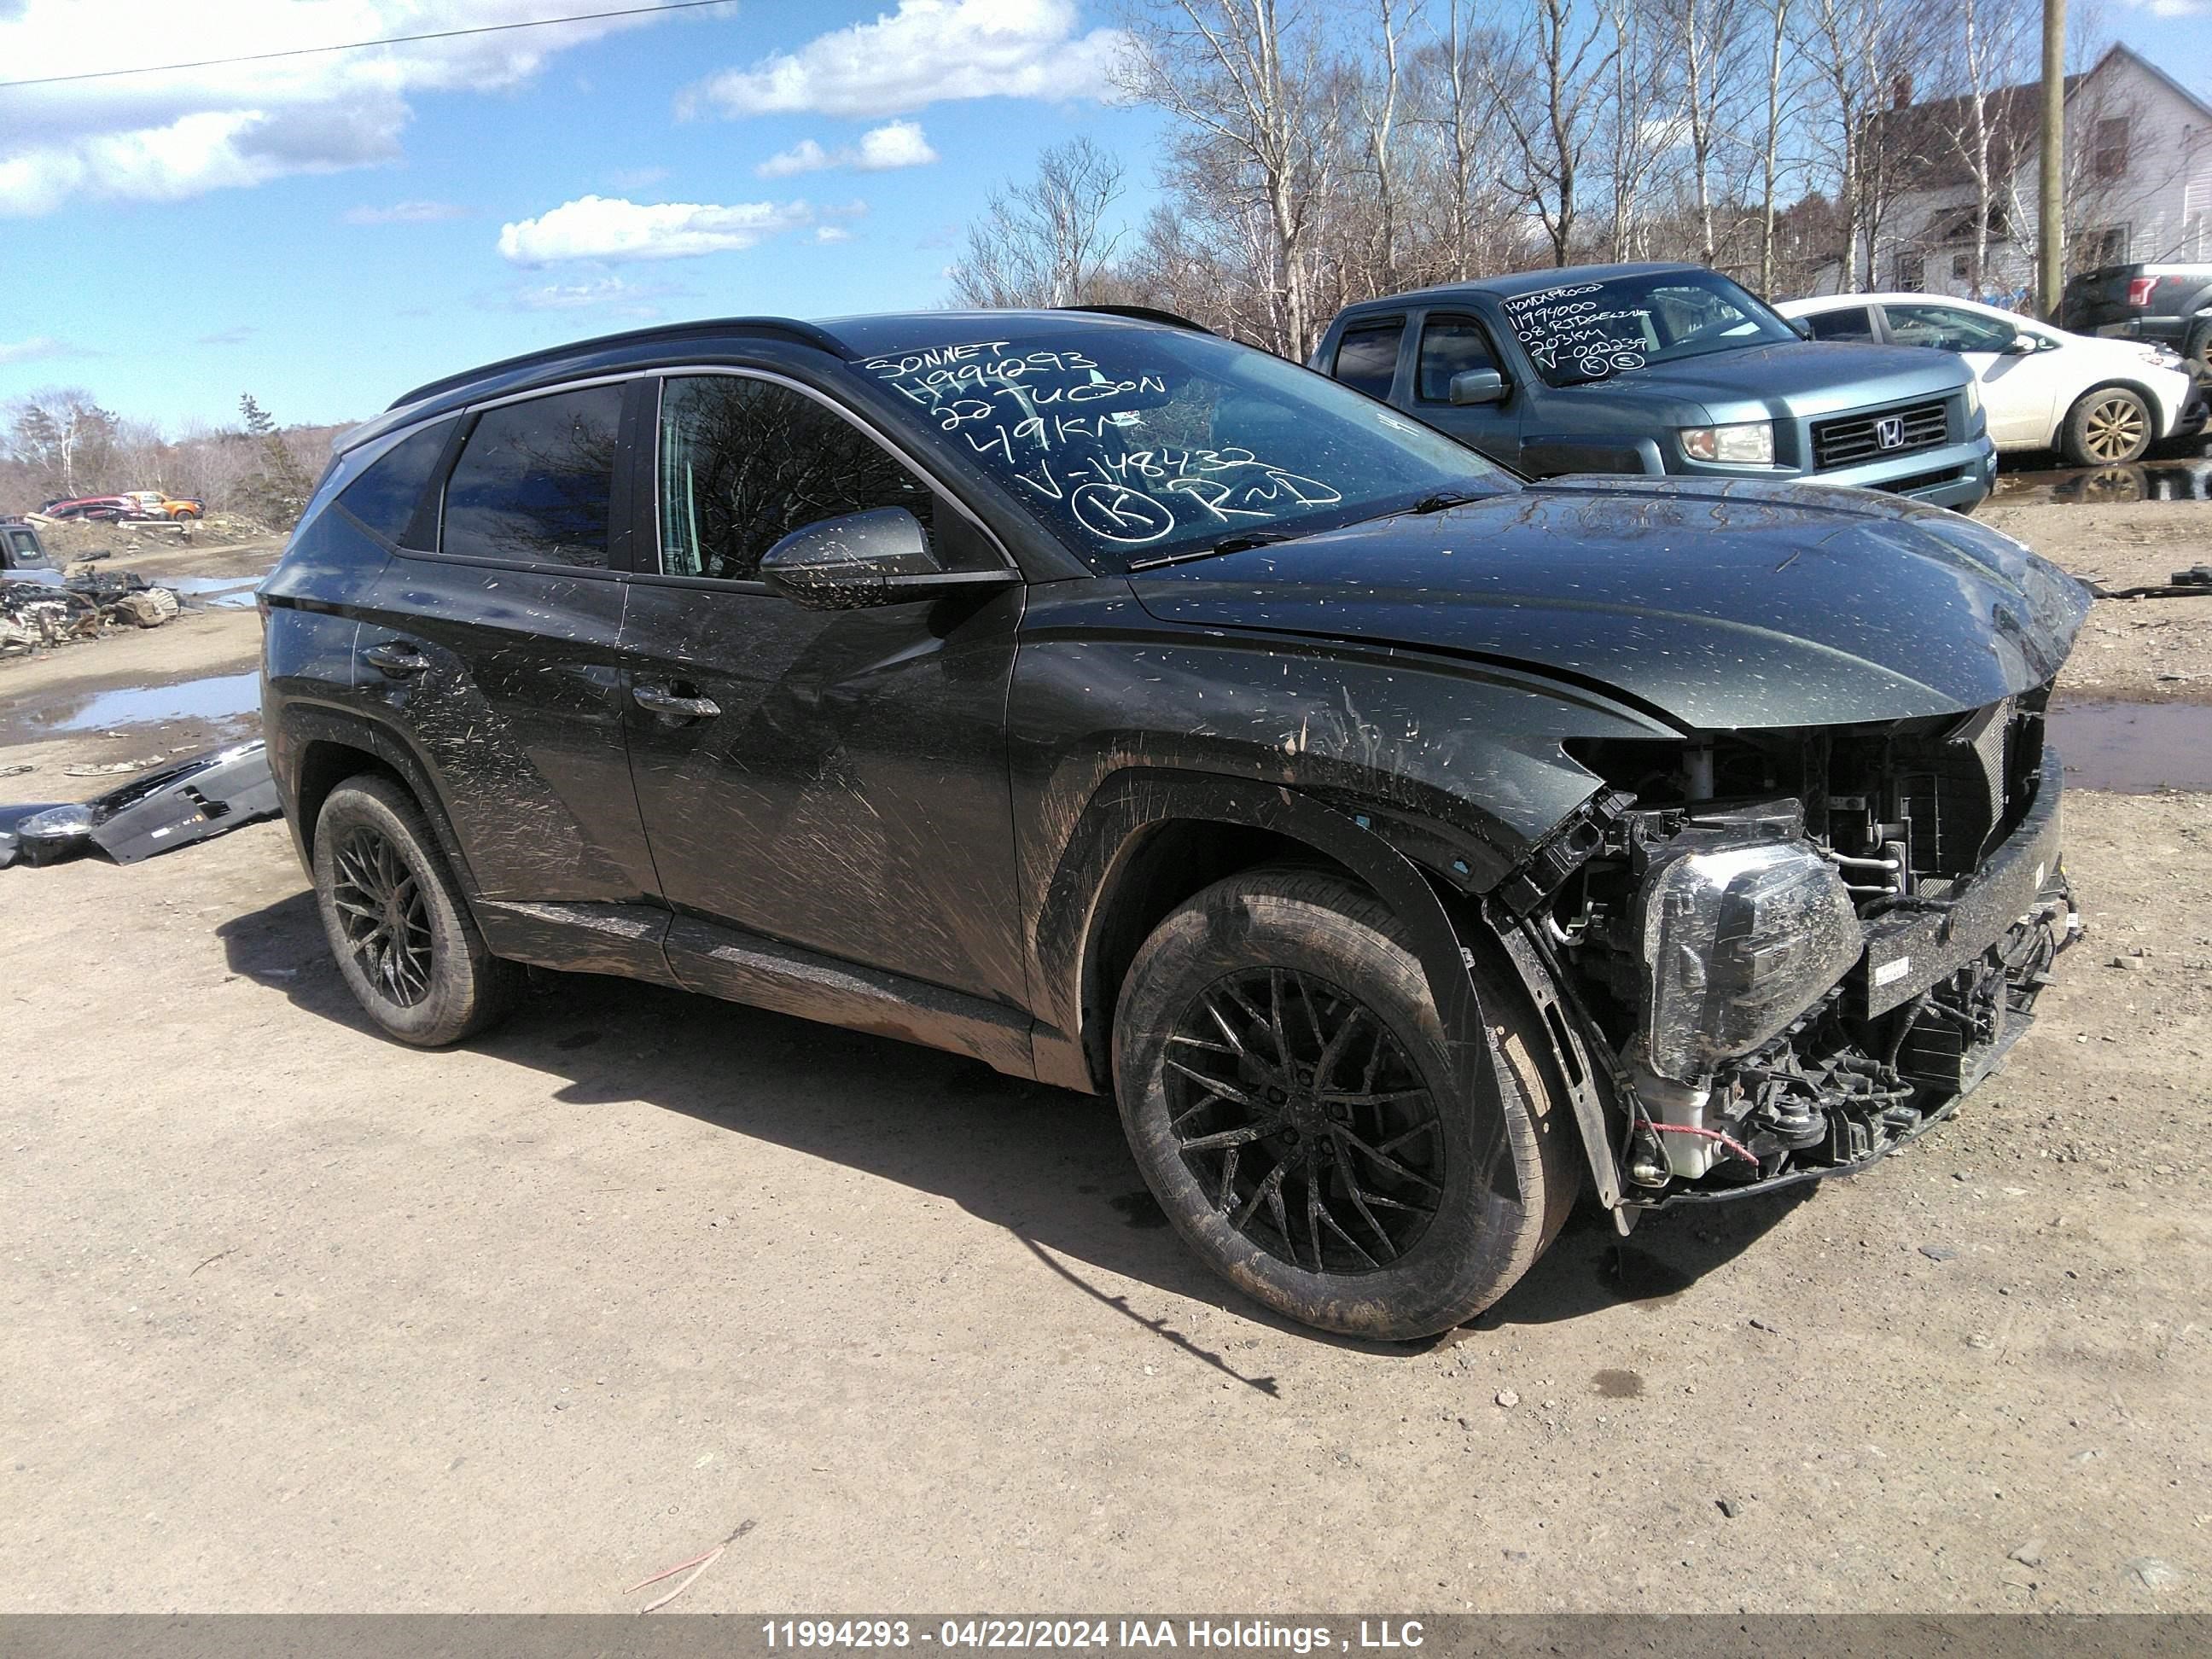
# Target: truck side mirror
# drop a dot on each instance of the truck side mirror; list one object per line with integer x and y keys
{"x": 1478, "y": 385}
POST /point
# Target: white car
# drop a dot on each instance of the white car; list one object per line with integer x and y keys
{"x": 2097, "y": 402}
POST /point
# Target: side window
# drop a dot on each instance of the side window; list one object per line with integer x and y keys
{"x": 534, "y": 480}
{"x": 744, "y": 462}
{"x": 1849, "y": 323}
{"x": 1946, "y": 329}
{"x": 1367, "y": 356}
{"x": 1449, "y": 346}
{"x": 385, "y": 496}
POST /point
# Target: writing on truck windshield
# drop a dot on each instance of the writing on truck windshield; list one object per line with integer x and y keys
{"x": 1578, "y": 333}
{"x": 1139, "y": 445}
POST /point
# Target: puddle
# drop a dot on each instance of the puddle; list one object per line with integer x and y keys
{"x": 220, "y": 697}
{"x": 2134, "y": 748}
{"x": 2183, "y": 478}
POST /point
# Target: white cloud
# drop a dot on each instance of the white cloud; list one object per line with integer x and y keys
{"x": 570, "y": 296}
{"x": 881, "y": 149}
{"x": 609, "y": 294}
{"x": 636, "y": 177}
{"x": 927, "y": 52}
{"x": 167, "y": 136}
{"x": 832, "y": 233}
{"x": 804, "y": 156}
{"x": 238, "y": 335}
{"x": 38, "y": 346}
{"x": 406, "y": 213}
{"x": 609, "y": 227}
{"x": 2170, "y": 8}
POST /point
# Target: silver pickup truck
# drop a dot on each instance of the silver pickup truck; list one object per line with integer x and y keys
{"x": 1663, "y": 369}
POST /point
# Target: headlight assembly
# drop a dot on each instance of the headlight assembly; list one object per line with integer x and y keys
{"x": 1737, "y": 940}
{"x": 1750, "y": 444}
{"x": 56, "y": 823}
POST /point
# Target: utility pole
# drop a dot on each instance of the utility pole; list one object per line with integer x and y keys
{"x": 2051, "y": 191}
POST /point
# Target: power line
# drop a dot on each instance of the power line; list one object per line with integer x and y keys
{"x": 356, "y": 45}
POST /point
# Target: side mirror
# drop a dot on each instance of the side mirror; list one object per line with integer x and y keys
{"x": 1478, "y": 385}
{"x": 859, "y": 560}
{"x": 1801, "y": 326}
{"x": 2022, "y": 345}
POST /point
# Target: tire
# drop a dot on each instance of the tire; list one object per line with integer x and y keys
{"x": 2198, "y": 353}
{"x": 1314, "y": 956}
{"x": 377, "y": 867}
{"x": 2110, "y": 426}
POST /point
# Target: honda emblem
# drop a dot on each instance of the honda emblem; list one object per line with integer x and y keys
{"x": 1889, "y": 431}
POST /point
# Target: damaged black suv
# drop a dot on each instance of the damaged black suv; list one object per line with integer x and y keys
{"x": 1408, "y": 847}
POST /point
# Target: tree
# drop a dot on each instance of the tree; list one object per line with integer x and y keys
{"x": 64, "y": 439}
{"x": 1247, "y": 80}
{"x": 1544, "y": 86}
{"x": 279, "y": 487}
{"x": 1044, "y": 243}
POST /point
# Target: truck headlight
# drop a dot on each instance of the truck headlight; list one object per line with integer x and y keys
{"x": 1973, "y": 399}
{"x": 1737, "y": 940}
{"x": 1751, "y": 444}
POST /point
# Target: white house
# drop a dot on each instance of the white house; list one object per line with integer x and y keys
{"x": 2138, "y": 183}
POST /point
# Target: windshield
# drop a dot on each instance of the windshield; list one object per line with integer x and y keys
{"x": 1583, "y": 332}
{"x": 1137, "y": 447}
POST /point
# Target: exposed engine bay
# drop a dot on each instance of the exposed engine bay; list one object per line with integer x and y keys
{"x": 1795, "y": 950}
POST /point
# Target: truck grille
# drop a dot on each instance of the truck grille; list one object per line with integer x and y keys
{"x": 1850, "y": 439}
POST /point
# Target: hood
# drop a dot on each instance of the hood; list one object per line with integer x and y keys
{"x": 1811, "y": 377}
{"x": 1715, "y": 606}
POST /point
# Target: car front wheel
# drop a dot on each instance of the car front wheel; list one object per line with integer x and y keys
{"x": 395, "y": 920}
{"x": 1287, "y": 1090}
{"x": 2109, "y": 426}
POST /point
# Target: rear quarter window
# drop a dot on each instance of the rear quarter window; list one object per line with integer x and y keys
{"x": 1367, "y": 356}
{"x": 384, "y": 498}
{"x": 535, "y": 481}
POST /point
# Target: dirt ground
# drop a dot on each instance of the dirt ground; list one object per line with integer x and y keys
{"x": 299, "y": 1319}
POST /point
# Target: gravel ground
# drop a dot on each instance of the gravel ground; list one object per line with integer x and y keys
{"x": 302, "y": 1320}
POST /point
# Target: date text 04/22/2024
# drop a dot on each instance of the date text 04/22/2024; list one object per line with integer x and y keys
{"x": 1081, "y": 1635}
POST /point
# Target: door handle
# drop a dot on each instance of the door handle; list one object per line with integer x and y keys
{"x": 659, "y": 700}
{"x": 397, "y": 659}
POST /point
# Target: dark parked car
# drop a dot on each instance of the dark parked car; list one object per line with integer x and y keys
{"x": 1664, "y": 370}
{"x": 1406, "y": 848}
{"x": 20, "y": 548}
{"x": 2170, "y": 304}
{"x": 104, "y": 509}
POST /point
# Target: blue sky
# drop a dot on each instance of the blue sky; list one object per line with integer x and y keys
{"x": 327, "y": 291}
{"x": 326, "y": 231}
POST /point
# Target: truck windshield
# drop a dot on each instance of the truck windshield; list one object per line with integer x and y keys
{"x": 1139, "y": 446}
{"x": 1578, "y": 333}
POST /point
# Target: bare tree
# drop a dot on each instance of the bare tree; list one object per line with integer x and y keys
{"x": 1459, "y": 111}
{"x": 1044, "y": 243}
{"x": 1379, "y": 100}
{"x": 64, "y": 438}
{"x": 1545, "y": 85}
{"x": 1778, "y": 15}
{"x": 1247, "y": 79}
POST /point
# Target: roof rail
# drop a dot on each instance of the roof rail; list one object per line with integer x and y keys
{"x": 1143, "y": 314}
{"x": 783, "y": 328}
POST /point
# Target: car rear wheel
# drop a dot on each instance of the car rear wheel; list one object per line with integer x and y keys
{"x": 1286, "y": 1088}
{"x": 2108, "y": 427}
{"x": 396, "y": 920}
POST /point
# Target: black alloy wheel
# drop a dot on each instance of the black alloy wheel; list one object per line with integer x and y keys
{"x": 1294, "y": 1105}
{"x": 398, "y": 921}
{"x": 385, "y": 918}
